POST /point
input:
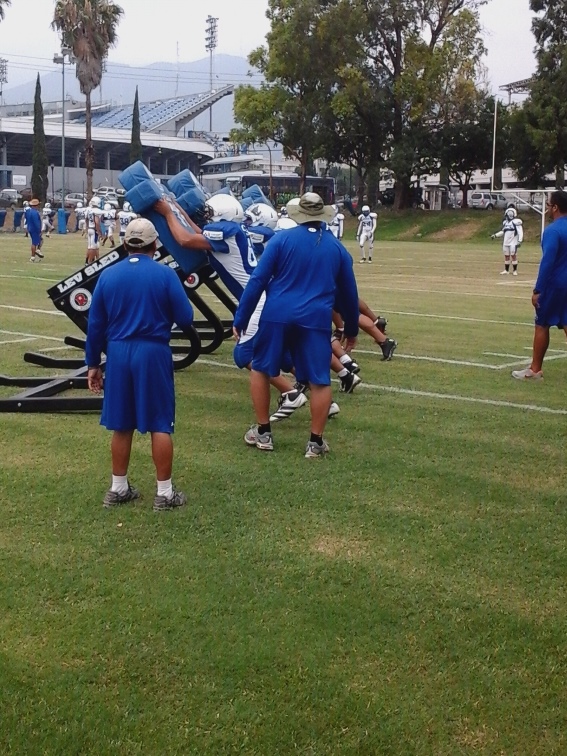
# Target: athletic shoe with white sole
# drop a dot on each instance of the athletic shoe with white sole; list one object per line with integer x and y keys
{"x": 352, "y": 366}
{"x": 334, "y": 410}
{"x": 349, "y": 383}
{"x": 388, "y": 348}
{"x": 504, "y": 272}
{"x": 515, "y": 273}
{"x": 39, "y": 254}
{"x": 527, "y": 375}
{"x": 165, "y": 503}
{"x": 263, "y": 441}
{"x": 287, "y": 404}
{"x": 314, "y": 450}
{"x": 114, "y": 499}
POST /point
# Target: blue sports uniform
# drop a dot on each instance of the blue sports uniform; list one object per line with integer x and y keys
{"x": 305, "y": 273}
{"x": 135, "y": 304}
{"x": 34, "y": 224}
{"x": 552, "y": 276}
{"x": 259, "y": 236}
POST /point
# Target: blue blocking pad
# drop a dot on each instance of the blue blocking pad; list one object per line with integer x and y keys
{"x": 142, "y": 192}
{"x": 256, "y": 195}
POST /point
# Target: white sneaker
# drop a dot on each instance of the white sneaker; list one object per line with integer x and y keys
{"x": 362, "y": 260}
{"x": 287, "y": 404}
{"x": 515, "y": 273}
{"x": 334, "y": 410}
{"x": 527, "y": 374}
{"x": 504, "y": 272}
{"x": 32, "y": 259}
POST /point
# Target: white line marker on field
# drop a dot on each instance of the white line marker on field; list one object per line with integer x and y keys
{"x": 30, "y": 309}
{"x": 17, "y": 341}
{"x": 32, "y": 335}
{"x": 457, "y": 317}
{"x": 431, "y": 394}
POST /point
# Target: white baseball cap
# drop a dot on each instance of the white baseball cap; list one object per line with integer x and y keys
{"x": 139, "y": 233}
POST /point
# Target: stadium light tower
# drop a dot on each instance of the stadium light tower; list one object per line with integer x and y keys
{"x": 211, "y": 39}
{"x": 65, "y": 56}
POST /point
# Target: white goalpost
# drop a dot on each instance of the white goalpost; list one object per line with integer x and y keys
{"x": 535, "y": 199}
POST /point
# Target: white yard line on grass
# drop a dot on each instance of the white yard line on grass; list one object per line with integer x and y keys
{"x": 33, "y": 278}
{"x": 29, "y": 309}
{"x": 430, "y": 394}
{"x": 17, "y": 341}
{"x": 457, "y": 317}
{"x": 439, "y": 291}
{"x": 32, "y": 336}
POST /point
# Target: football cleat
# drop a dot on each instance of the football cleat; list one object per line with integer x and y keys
{"x": 352, "y": 366}
{"x": 348, "y": 383}
{"x": 287, "y": 404}
{"x": 381, "y": 323}
{"x": 388, "y": 348}
{"x": 334, "y": 410}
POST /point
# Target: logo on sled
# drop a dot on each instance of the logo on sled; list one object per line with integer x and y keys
{"x": 80, "y": 300}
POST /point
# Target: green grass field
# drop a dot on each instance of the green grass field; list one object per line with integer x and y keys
{"x": 405, "y": 595}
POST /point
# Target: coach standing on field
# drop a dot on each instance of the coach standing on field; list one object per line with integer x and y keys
{"x": 135, "y": 304}
{"x": 549, "y": 296}
{"x": 306, "y": 273}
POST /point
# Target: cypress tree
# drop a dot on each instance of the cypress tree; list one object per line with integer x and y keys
{"x": 136, "y": 150}
{"x": 39, "y": 180}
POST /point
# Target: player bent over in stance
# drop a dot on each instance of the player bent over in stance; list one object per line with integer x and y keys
{"x": 513, "y": 235}
{"x": 365, "y": 233}
{"x": 232, "y": 257}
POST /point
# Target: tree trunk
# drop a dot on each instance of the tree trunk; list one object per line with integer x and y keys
{"x": 89, "y": 146}
{"x": 465, "y": 189}
{"x": 560, "y": 175}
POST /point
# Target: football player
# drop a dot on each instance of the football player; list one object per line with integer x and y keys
{"x": 365, "y": 233}
{"x": 513, "y": 235}
{"x": 93, "y": 217}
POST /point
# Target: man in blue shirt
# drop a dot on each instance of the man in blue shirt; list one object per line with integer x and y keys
{"x": 305, "y": 273}
{"x": 135, "y": 304}
{"x": 34, "y": 224}
{"x": 549, "y": 296}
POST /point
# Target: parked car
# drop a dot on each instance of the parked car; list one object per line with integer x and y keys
{"x": 10, "y": 198}
{"x": 488, "y": 201}
{"x": 108, "y": 194}
{"x": 73, "y": 198}
{"x": 27, "y": 194}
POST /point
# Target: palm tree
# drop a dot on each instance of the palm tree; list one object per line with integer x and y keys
{"x": 3, "y": 5}
{"x": 88, "y": 28}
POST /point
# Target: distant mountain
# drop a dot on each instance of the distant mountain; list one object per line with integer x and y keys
{"x": 158, "y": 81}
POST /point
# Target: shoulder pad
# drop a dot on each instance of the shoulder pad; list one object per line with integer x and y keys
{"x": 373, "y": 215}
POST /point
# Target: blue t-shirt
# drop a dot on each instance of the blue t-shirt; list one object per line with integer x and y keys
{"x": 304, "y": 271}
{"x": 137, "y": 298}
{"x": 552, "y": 272}
{"x": 33, "y": 220}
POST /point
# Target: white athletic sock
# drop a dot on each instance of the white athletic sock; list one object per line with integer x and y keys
{"x": 345, "y": 359}
{"x": 119, "y": 484}
{"x": 343, "y": 372}
{"x": 165, "y": 488}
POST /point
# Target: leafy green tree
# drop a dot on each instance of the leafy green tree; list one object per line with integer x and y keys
{"x": 525, "y": 157}
{"x": 299, "y": 63}
{"x": 40, "y": 165}
{"x": 546, "y": 113}
{"x": 136, "y": 149}
{"x": 3, "y": 5}
{"x": 88, "y": 28}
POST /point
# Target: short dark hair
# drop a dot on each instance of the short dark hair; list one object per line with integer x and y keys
{"x": 144, "y": 250}
{"x": 559, "y": 198}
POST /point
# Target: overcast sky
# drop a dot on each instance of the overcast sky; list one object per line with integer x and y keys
{"x": 155, "y": 31}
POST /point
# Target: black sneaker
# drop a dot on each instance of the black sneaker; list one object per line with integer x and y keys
{"x": 301, "y": 387}
{"x": 381, "y": 323}
{"x": 164, "y": 503}
{"x": 113, "y": 499}
{"x": 352, "y": 366}
{"x": 388, "y": 348}
{"x": 348, "y": 383}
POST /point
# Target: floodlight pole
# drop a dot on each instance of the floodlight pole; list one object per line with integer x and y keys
{"x": 61, "y": 58}
{"x": 494, "y": 144}
{"x": 211, "y": 39}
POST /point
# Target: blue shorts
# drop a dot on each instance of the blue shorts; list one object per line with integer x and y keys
{"x": 309, "y": 349}
{"x": 35, "y": 239}
{"x": 139, "y": 391}
{"x": 552, "y": 308}
{"x": 244, "y": 353}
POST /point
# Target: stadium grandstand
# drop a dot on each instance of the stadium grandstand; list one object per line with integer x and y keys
{"x": 168, "y": 145}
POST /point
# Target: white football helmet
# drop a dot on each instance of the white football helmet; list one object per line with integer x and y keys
{"x": 511, "y": 213}
{"x": 365, "y": 210}
{"x": 47, "y": 205}
{"x": 79, "y": 204}
{"x": 26, "y": 204}
{"x": 127, "y": 207}
{"x": 223, "y": 207}
{"x": 284, "y": 223}
{"x": 108, "y": 206}
{"x": 260, "y": 214}
{"x": 283, "y": 211}
{"x": 95, "y": 201}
